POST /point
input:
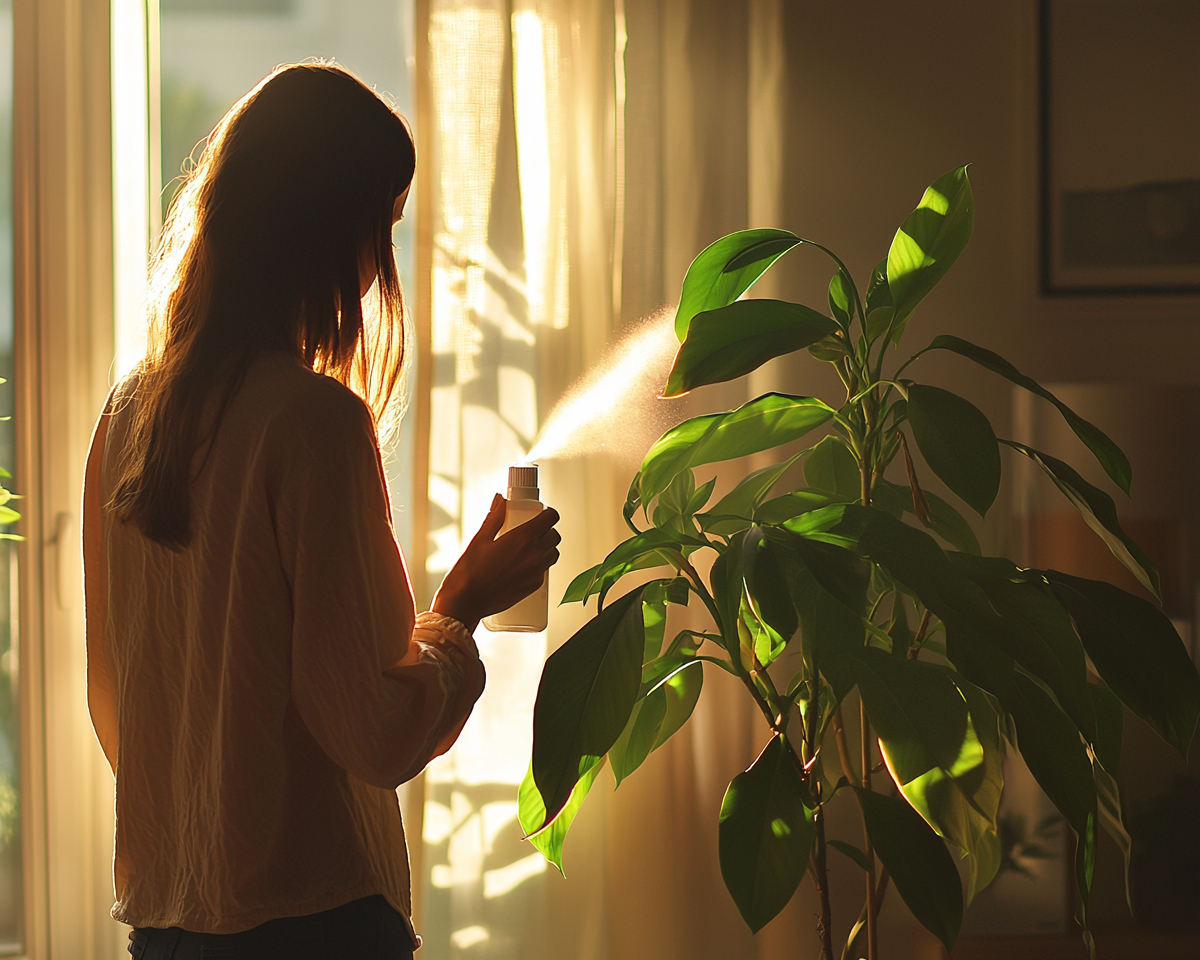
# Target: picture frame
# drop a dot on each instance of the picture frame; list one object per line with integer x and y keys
{"x": 1120, "y": 147}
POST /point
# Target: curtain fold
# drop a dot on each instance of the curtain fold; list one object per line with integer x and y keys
{"x": 585, "y": 150}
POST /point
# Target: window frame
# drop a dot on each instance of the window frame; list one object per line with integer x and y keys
{"x": 63, "y": 349}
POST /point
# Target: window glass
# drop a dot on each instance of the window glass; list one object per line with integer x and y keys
{"x": 213, "y": 51}
{"x": 11, "y": 872}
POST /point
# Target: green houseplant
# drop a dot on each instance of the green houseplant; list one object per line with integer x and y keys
{"x": 868, "y": 585}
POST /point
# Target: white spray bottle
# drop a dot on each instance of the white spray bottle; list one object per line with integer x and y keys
{"x": 528, "y": 615}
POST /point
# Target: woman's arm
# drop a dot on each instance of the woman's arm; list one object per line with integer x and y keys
{"x": 381, "y": 690}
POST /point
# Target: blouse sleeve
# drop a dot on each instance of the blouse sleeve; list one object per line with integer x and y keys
{"x": 381, "y": 691}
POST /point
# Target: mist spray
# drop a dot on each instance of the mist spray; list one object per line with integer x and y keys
{"x": 524, "y": 503}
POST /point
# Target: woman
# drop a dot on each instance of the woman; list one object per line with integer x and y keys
{"x": 257, "y": 675}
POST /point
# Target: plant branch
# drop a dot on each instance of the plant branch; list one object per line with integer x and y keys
{"x": 920, "y": 504}
{"x": 817, "y": 869}
{"x": 846, "y": 273}
{"x": 900, "y": 369}
{"x": 856, "y": 930}
{"x": 875, "y": 606}
{"x": 872, "y": 908}
{"x": 839, "y": 734}
{"x": 681, "y": 563}
{"x": 762, "y": 704}
{"x": 843, "y": 371}
{"x": 919, "y": 637}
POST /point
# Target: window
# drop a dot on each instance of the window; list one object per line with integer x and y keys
{"x": 11, "y": 867}
{"x": 202, "y": 55}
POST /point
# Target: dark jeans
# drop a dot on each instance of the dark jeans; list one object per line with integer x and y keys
{"x": 366, "y": 929}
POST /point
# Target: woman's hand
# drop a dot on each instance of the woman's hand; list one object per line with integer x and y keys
{"x": 492, "y": 574}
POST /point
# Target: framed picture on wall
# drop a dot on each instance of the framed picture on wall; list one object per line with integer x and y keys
{"x": 1120, "y": 146}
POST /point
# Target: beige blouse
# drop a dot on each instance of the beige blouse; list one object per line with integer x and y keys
{"x": 261, "y": 694}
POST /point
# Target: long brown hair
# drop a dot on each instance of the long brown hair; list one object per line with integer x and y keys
{"x": 260, "y": 252}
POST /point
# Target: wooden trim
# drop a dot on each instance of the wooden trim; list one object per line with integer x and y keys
{"x": 426, "y": 197}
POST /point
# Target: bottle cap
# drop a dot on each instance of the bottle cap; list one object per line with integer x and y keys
{"x": 523, "y": 482}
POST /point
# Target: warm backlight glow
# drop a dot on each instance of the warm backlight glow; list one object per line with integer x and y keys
{"x": 539, "y": 167}
{"x": 133, "y": 189}
{"x": 611, "y": 407}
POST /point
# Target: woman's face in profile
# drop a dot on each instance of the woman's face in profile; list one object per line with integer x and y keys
{"x": 368, "y": 270}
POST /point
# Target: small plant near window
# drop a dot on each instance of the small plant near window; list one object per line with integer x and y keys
{"x": 869, "y": 586}
{"x": 7, "y": 514}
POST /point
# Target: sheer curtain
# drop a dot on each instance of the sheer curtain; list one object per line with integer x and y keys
{"x": 576, "y": 155}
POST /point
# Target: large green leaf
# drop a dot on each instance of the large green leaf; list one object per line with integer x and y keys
{"x": 944, "y": 520}
{"x": 1112, "y": 818}
{"x": 757, "y": 639}
{"x": 913, "y": 558}
{"x": 832, "y": 634}
{"x": 916, "y": 562}
{"x": 915, "y": 856}
{"x": 792, "y": 505}
{"x": 957, "y": 442}
{"x": 831, "y": 465}
{"x": 1098, "y": 512}
{"x": 763, "y": 567}
{"x": 638, "y": 552}
{"x": 981, "y": 787}
{"x": 588, "y": 689}
{"x": 531, "y": 813}
{"x": 928, "y": 242}
{"x": 654, "y": 621}
{"x": 735, "y": 510}
{"x": 841, "y": 299}
{"x": 729, "y": 342}
{"x": 820, "y": 523}
{"x": 851, "y": 852}
{"x": 1110, "y": 727}
{"x": 1058, "y": 760}
{"x": 726, "y": 269}
{"x": 765, "y": 422}
{"x": 682, "y": 691}
{"x": 1137, "y": 652}
{"x": 1111, "y": 458}
{"x": 765, "y": 835}
{"x": 636, "y": 741}
{"x": 728, "y": 588}
{"x": 842, "y": 574}
{"x": 1036, "y": 632}
{"x": 919, "y": 715}
{"x": 828, "y": 588}
{"x": 1110, "y": 723}
{"x": 948, "y": 804}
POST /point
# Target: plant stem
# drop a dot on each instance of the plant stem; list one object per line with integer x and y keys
{"x": 919, "y": 637}
{"x": 881, "y": 889}
{"x": 870, "y": 440}
{"x": 872, "y": 909}
{"x": 820, "y": 876}
{"x": 839, "y": 733}
{"x": 920, "y": 504}
{"x": 681, "y": 563}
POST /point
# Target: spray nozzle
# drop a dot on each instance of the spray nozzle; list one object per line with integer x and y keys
{"x": 523, "y": 482}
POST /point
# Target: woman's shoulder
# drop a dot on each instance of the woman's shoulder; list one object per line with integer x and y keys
{"x": 289, "y": 392}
